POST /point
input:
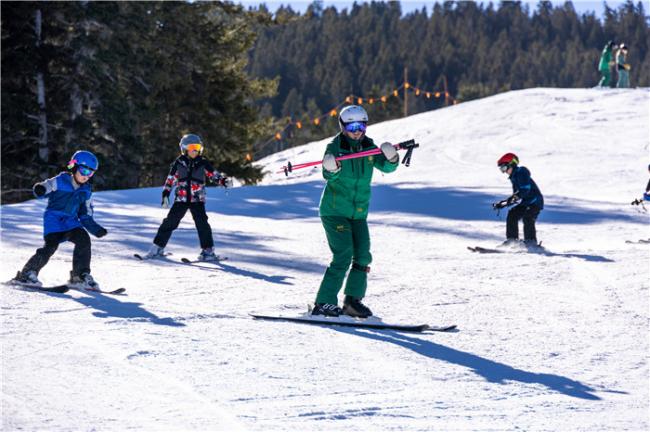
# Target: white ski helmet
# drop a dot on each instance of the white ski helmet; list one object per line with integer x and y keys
{"x": 190, "y": 139}
{"x": 352, "y": 114}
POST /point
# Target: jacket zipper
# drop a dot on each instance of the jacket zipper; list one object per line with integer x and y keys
{"x": 189, "y": 182}
{"x": 356, "y": 188}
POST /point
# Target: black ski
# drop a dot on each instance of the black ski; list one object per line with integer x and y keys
{"x": 144, "y": 258}
{"x": 217, "y": 261}
{"x": 640, "y": 241}
{"x": 480, "y": 249}
{"x": 346, "y": 321}
{"x": 521, "y": 248}
{"x": 101, "y": 291}
{"x": 60, "y": 289}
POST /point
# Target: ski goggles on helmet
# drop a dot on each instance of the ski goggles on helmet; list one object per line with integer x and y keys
{"x": 85, "y": 171}
{"x": 355, "y": 127}
{"x": 194, "y": 147}
{"x": 504, "y": 167}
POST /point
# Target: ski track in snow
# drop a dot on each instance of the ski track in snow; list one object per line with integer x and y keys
{"x": 555, "y": 341}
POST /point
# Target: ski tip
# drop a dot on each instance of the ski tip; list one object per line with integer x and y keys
{"x": 100, "y": 291}
{"x": 57, "y": 289}
{"x": 448, "y": 328}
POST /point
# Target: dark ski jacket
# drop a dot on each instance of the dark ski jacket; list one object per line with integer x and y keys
{"x": 190, "y": 176}
{"x": 69, "y": 205}
{"x": 347, "y": 192}
{"x": 525, "y": 188}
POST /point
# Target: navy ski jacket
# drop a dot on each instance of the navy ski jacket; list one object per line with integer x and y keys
{"x": 525, "y": 188}
{"x": 69, "y": 205}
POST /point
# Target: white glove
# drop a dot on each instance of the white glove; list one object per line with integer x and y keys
{"x": 389, "y": 151}
{"x": 331, "y": 164}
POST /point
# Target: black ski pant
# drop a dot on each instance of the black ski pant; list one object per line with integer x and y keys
{"x": 80, "y": 254}
{"x": 529, "y": 214}
{"x": 176, "y": 213}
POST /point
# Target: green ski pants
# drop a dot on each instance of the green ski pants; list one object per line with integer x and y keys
{"x": 605, "y": 79}
{"x": 349, "y": 241}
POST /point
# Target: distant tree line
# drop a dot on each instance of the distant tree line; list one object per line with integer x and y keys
{"x": 126, "y": 80}
{"x": 323, "y": 55}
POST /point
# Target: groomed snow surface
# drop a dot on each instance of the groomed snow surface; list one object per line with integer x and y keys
{"x": 545, "y": 342}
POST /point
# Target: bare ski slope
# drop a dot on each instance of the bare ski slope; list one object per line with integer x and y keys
{"x": 545, "y": 342}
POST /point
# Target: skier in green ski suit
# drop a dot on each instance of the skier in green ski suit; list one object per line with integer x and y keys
{"x": 605, "y": 62}
{"x": 343, "y": 212}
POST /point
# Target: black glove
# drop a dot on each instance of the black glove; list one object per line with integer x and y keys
{"x": 506, "y": 202}
{"x": 39, "y": 190}
{"x": 512, "y": 199}
{"x": 101, "y": 233}
{"x": 165, "y": 198}
{"x": 223, "y": 181}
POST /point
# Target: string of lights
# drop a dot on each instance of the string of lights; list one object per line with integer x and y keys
{"x": 357, "y": 100}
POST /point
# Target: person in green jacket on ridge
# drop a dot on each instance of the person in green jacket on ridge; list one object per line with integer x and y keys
{"x": 344, "y": 210}
{"x": 604, "y": 65}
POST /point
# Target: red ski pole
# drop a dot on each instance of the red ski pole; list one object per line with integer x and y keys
{"x": 406, "y": 145}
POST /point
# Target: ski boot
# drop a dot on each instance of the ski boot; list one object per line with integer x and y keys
{"x": 155, "y": 251}
{"x": 352, "y": 306}
{"x": 207, "y": 254}
{"x": 83, "y": 281}
{"x": 511, "y": 243}
{"x": 532, "y": 246}
{"x": 326, "y": 309}
{"x": 29, "y": 277}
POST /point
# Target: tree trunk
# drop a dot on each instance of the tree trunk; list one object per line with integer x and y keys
{"x": 43, "y": 150}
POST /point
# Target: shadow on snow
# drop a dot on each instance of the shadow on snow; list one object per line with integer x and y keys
{"x": 492, "y": 371}
{"x": 107, "y": 306}
{"x": 292, "y": 201}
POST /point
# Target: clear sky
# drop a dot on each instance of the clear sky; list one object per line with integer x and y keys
{"x": 581, "y": 6}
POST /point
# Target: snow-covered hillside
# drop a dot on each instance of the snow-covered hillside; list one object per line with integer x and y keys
{"x": 545, "y": 342}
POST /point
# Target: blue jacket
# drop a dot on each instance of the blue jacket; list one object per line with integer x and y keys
{"x": 525, "y": 187}
{"x": 69, "y": 205}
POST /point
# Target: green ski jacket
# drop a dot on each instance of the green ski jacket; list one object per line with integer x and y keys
{"x": 347, "y": 192}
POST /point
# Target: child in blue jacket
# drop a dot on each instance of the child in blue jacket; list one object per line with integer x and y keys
{"x": 527, "y": 200}
{"x": 68, "y": 215}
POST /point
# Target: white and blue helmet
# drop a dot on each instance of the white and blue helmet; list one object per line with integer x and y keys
{"x": 353, "y": 114}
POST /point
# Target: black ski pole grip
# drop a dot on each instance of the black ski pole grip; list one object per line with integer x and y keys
{"x": 287, "y": 169}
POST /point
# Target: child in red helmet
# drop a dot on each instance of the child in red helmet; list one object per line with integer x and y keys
{"x": 527, "y": 200}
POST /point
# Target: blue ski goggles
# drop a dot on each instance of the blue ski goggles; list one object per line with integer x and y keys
{"x": 85, "y": 171}
{"x": 355, "y": 127}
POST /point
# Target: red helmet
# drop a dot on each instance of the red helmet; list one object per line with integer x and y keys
{"x": 508, "y": 159}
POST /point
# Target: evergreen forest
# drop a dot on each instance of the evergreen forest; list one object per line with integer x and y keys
{"x": 468, "y": 49}
{"x": 127, "y": 79}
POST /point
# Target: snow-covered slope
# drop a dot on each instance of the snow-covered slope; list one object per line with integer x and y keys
{"x": 545, "y": 342}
